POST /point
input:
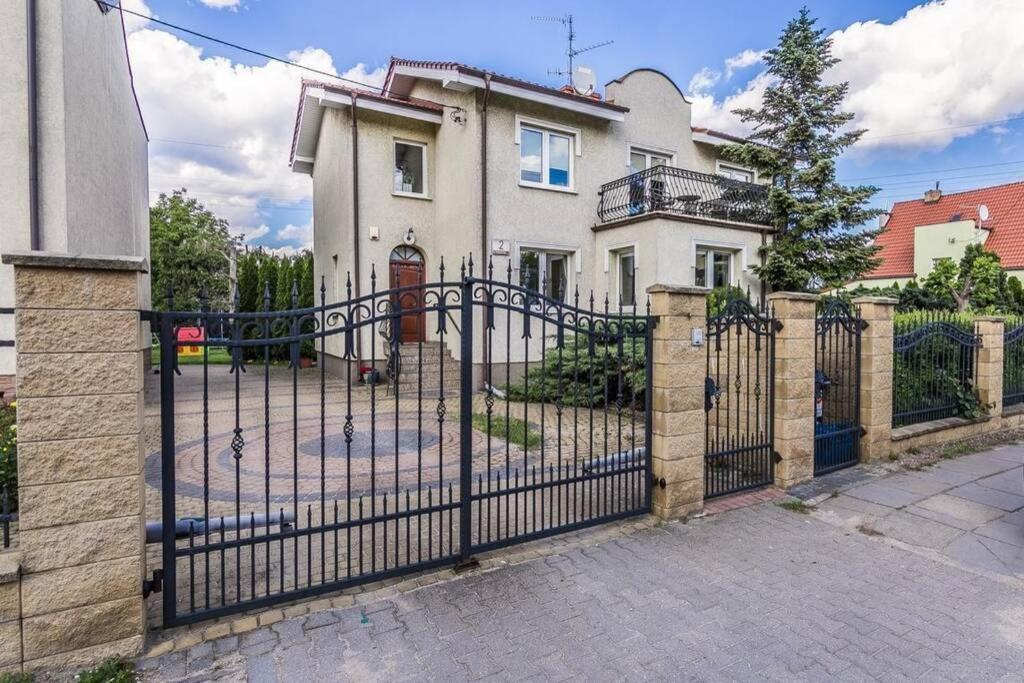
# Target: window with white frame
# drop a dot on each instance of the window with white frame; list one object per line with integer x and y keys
{"x": 735, "y": 173}
{"x": 641, "y": 159}
{"x": 714, "y": 267}
{"x": 625, "y": 269}
{"x": 545, "y": 272}
{"x": 545, "y": 157}
{"x": 410, "y": 175}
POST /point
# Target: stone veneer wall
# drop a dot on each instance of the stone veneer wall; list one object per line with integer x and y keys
{"x": 80, "y": 383}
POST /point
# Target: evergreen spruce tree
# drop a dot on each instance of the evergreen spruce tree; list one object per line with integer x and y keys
{"x": 797, "y": 136}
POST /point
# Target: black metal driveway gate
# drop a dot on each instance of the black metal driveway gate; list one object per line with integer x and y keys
{"x": 739, "y": 399}
{"x": 837, "y": 427}
{"x": 280, "y": 481}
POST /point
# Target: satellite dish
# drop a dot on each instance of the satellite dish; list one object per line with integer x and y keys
{"x": 583, "y": 80}
{"x": 983, "y": 213}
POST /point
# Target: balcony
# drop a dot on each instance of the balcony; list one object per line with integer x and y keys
{"x": 678, "y": 191}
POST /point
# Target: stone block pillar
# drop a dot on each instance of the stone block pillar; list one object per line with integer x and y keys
{"x": 876, "y": 376}
{"x": 678, "y": 368}
{"x": 990, "y": 365}
{"x": 80, "y": 414}
{"x": 794, "y": 387}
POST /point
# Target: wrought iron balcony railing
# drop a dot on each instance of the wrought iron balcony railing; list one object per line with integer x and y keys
{"x": 683, "y": 192}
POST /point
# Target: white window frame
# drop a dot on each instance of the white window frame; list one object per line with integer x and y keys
{"x": 546, "y": 128}
{"x": 736, "y": 251}
{"x": 426, "y": 168}
{"x": 619, "y": 253}
{"x": 736, "y": 167}
{"x": 574, "y": 255}
{"x": 648, "y": 151}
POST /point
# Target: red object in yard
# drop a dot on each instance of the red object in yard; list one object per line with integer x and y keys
{"x": 187, "y": 341}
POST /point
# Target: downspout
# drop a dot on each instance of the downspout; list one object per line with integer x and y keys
{"x": 33, "y": 126}
{"x": 355, "y": 221}
{"x": 484, "y": 270}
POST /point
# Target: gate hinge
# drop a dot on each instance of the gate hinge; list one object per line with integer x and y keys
{"x": 776, "y": 457}
{"x": 154, "y": 585}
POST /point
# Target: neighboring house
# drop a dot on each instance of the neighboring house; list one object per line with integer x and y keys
{"x": 919, "y": 232}
{"x": 610, "y": 195}
{"x": 72, "y": 139}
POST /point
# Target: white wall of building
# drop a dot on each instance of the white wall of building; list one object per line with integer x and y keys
{"x": 93, "y": 150}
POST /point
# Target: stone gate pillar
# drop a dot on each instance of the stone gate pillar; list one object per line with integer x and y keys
{"x": 990, "y": 366}
{"x": 876, "y": 376}
{"x": 794, "y": 386}
{"x": 679, "y": 369}
{"x": 80, "y": 414}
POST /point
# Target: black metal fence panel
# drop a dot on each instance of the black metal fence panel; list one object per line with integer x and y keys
{"x": 739, "y": 400}
{"x": 934, "y": 368}
{"x": 1013, "y": 366}
{"x": 459, "y": 416}
{"x": 837, "y": 427}
{"x": 684, "y": 192}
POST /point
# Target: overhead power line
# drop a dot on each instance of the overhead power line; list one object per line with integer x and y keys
{"x": 236, "y": 46}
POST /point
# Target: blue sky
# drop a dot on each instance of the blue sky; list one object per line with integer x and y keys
{"x": 921, "y": 81}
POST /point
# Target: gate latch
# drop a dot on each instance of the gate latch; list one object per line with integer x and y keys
{"x": 154, "y": 585}
{"x": 711, "y": 392}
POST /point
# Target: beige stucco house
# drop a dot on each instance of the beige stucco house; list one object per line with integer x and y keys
{"x": 72, "y": 139}
{"x": 609, "y": 194}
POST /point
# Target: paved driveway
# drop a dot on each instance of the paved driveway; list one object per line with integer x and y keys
{"x": 759, "y": 593}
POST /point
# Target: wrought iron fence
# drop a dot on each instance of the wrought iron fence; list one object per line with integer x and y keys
{"x": 1013, "y": 366}
{"x": 934, "y": 368}
{"x": 739, "y": 399}
{"x": 279, "y": 483}
{"x": 684, "y": 192}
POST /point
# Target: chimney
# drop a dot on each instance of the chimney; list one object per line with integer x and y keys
{"x": 932, "y": 196}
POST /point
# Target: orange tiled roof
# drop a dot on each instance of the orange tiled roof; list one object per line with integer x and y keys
{"x": 1005, "y": 224}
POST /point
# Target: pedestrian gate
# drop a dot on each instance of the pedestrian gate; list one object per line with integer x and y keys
{"x": 739, "y": 399}
{"x": 837, "y": 427}
{"x": 519, "y": 415}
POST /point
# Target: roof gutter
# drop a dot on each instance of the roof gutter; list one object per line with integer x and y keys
{"x": 484, "y": 263}
{"x": 355, "y": 217}
{"x": 33, "y": 126}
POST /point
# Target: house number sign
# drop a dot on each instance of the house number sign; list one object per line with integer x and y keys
{"x": 499, "y": 247}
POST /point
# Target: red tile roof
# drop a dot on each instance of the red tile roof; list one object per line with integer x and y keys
{"x": 1005, "y": 224}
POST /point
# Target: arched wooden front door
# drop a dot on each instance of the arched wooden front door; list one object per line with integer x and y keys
{"x": 406, "y": 270}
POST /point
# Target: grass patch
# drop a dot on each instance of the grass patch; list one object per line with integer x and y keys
{"x": 16, "y": 678}
{"x": 113, "y": 670}
{"x": 518, "y": 431}
{"x": 955, "y": 450}
{"x": 795, "y": 505}
{"x": 218, "y": 356}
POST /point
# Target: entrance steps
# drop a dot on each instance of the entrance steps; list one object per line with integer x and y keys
{"x": 422, "y": 365}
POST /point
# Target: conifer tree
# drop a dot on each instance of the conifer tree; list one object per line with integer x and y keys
{"x": 799, "y": 131}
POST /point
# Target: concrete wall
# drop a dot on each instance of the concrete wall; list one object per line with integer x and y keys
{"x": 93, "y": 150}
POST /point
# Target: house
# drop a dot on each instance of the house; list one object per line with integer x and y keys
{"x": 606, "y": 194}
{"x": 72, "y": 139}
{"x": 919, "y": 232}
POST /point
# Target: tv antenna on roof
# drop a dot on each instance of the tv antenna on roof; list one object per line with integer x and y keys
{"x": 572, "y": 52}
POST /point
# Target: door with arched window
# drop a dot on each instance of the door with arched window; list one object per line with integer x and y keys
{"x": 407, "y": 270}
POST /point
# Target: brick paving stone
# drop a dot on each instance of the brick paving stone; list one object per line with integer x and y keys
{"x": 758, "y": 592}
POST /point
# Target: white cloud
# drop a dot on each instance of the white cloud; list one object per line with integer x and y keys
{"x": 929, "y": 77}
{"x": 742, "y": 61}
{"x": 222, "y": 4}
{"x": 257, "y": 233}
{"x": 239, "y": 120}
{"x": 302, "y": 234}
{"x": 703, "y": 80}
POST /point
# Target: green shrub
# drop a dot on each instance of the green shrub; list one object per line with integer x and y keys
{"x": 579, "y": 375}
{"x": 113, "y": 670}
{"x": 9, "y": 451}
